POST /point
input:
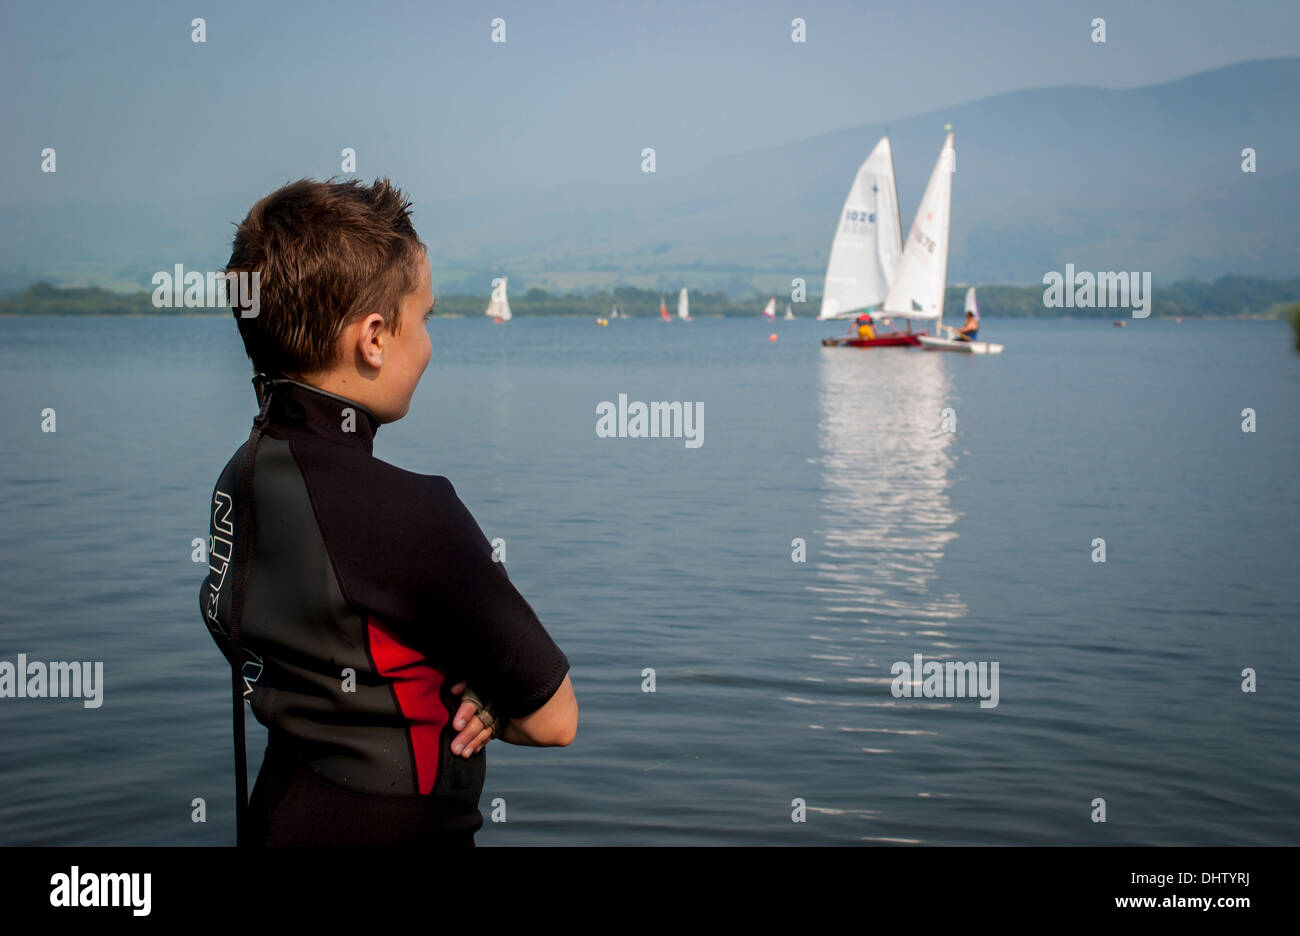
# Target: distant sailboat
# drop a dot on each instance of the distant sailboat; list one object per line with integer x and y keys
{"x": 769, "y": 310}
{"x": 663, "y": 310}
{"x": 789, "y": 316}
{"x": 918, "y": 290}
{"x": 865, "y": 251}
{"x": 614, "y": 313}
{"x": 499, "y": 308}
{"x": 683, "y": 306}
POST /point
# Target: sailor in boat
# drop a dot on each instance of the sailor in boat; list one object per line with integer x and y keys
{"x": 865, "y": 326}
{"x": 971, "y": 329}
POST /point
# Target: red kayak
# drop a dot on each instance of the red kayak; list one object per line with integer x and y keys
{"x": 884, "y": 341}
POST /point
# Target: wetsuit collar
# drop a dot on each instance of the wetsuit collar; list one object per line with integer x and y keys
{"x": 289, "y": 404}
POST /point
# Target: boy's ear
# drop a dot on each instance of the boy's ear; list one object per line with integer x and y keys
{"x": 369, "y": 339}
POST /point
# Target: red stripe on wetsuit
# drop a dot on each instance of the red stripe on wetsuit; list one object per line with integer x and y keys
{"x": 417, "y": 686}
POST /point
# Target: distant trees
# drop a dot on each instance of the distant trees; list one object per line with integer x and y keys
{"x": 44, "y": 299}
{"x": 1227, "y": 296}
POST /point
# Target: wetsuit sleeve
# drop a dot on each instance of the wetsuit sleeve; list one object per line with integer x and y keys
{"x": 509, "y": 658}
{"x": 405, "y": 548}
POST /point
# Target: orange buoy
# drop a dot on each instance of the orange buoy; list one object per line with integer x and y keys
{"x": 772, "y": 337}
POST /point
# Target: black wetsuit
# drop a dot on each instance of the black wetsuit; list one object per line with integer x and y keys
{"x": 367, "y": 592}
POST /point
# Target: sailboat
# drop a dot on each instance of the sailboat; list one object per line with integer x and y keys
{"x": 789, "y": 316}
{"x": 683, "y": 306}
{"x": 970, "y": 347}
{"x": 918, "y": 289}
{"x": 865, "y": 251}
{"x": 499, "y": 308}
{"x": 663, "y": 310}
{"x": 769, "y": 310}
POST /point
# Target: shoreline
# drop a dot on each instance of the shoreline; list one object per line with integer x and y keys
{"x": 653, "y": 318}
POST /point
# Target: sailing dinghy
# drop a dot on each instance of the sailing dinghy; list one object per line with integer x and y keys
{"x": 865, "y": 251}
{"x": 969, "y": 347}
{"x": 789, "y": 316}
{"x": 684, "y": 306}
{"x": 499, "y": 308}
{"x": 918, "y": 289}
{"x": 769, "y": 310}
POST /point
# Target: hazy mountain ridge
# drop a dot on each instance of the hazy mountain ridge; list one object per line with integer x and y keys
{"x": 1137, "y": 179}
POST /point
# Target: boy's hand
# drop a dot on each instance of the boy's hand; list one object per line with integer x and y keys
{"x": 474, "y": 734}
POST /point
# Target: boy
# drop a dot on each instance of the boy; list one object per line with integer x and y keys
{"x": 360, "y": 600}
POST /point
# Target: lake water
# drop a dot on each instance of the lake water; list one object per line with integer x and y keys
{"x": 1120, "y": 680}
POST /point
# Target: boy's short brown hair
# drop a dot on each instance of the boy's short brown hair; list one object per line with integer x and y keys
{"x": 327, "y": 254}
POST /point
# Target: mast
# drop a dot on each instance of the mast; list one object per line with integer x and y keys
{"x": 949, "y": 145}
{"x": 898, "y": 218}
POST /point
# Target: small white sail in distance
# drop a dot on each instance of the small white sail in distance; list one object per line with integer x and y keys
{"x": 499, "y": 307}
{"x": 769, "y": 310}
{"x": 918, "y": 287}
{"x": 789, "y": 316}
{"x": 683, "y": 305}
{"x": 868, "y": 240}
{"x": 971, "y": 307}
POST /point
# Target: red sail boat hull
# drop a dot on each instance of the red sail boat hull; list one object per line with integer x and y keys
{"x": 884, "y": 341}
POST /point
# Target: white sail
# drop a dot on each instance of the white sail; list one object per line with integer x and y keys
{"x": 499, "y": 307}
{"x": 868, "y": 240}
{"x": 918, "y": 287}
{"x": 789, "y": 316}
{"x": 971, "y": 307}
{"x": 769, "y": 310}
{"x": 683, "y": 305}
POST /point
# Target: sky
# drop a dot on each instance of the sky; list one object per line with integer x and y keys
{"x": 135, "y": 109}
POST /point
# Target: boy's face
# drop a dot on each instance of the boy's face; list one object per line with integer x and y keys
{"x": 377, "y": 368}
{"x": 407, "y": 354}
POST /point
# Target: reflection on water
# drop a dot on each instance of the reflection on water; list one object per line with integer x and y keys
{"x": 886, "y": 520}
{"x": 886, "y": 512}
